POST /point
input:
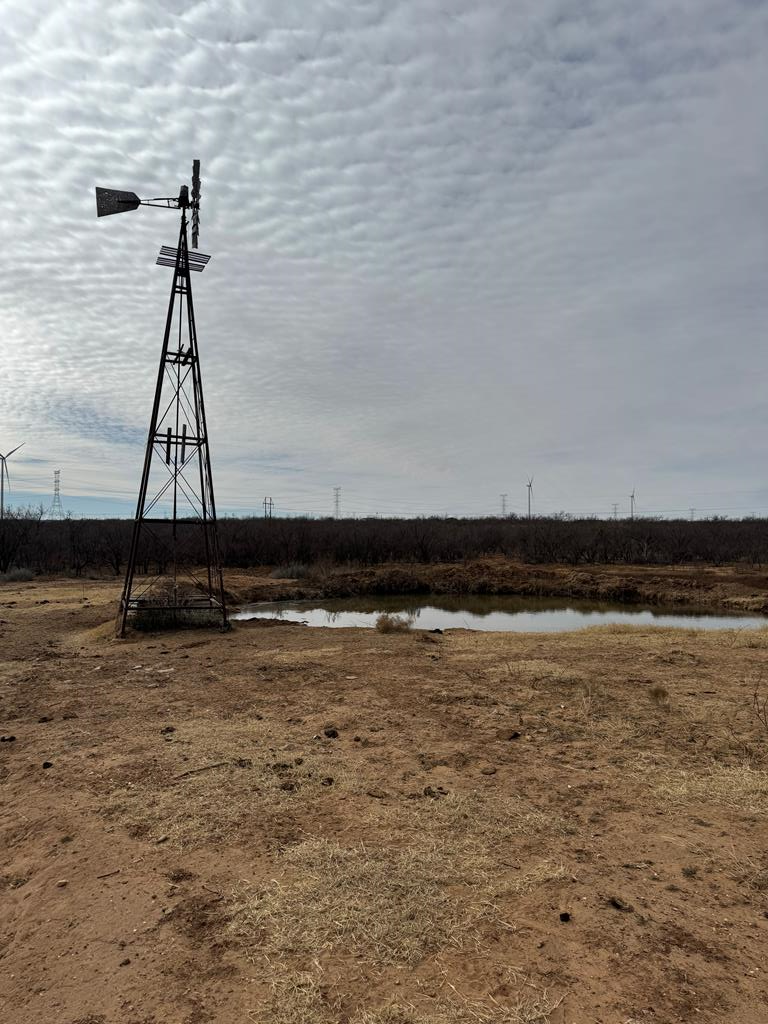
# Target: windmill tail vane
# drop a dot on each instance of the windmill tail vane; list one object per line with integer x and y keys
{"x": 175, "y": 536}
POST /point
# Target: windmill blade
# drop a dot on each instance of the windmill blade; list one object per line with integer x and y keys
{"x": 7, "y": 474}
{"x": 10, "y": 453}
{"x": 195, "y": 203}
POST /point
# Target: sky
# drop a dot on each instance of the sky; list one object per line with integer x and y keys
{"x": 454, "y": 245}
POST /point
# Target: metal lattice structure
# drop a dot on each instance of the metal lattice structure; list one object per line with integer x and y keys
{"x": 56, "y": 512}
{"x": 174, "y": 574}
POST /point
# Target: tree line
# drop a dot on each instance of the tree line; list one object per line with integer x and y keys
{"x": 80, "y": 547}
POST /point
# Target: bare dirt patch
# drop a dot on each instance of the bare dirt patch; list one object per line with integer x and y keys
{"x": 288, "y": 825}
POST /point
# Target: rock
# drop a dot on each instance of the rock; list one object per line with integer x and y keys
{"x": 44, "y": 718}
{"x": 508, "y": 734}
{"x": 61, "y": 884}
{"x": 331, "y": 733}
{"x": 565, "y": 917}
{"x": 436, "y": 631}
{"x": 167, "y": 730}
{"x": 328, "y": 781}
{"x": 620, "y": 904}
{"x": 7, "y": 739}
{"x": 124, "y": 963}
{"x": 377, "y": 794}
{"x": 489, "y": 769}
{"x": 47, "y": 764}
{"x": 355, "y": 739}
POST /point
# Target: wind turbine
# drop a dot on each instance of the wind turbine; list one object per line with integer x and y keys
{"x": 4, "y": 476}
{"x": 632, "y": 504}
{"x": 529, "y": 485}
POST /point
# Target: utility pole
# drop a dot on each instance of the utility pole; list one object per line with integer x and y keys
{"x": 529, "y": 485}
{"x": 268, "y": 506}
{"x": 336, "y": 502}
{"x": 615, "y": 510}
{"x": 503, "y": 505}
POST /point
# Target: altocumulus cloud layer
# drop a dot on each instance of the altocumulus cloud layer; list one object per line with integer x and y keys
{"x": 453, "y": 244}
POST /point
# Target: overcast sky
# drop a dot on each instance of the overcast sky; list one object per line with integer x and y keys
{"x": 454, "y": 244}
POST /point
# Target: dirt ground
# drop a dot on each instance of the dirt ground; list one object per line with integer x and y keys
{"x": 285, "y": 825}
{"x": 726, "y": 587}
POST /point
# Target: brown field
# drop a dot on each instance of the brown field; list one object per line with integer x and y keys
{"x": 283, "y": 825}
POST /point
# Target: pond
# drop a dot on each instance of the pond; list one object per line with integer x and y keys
{"x": 492, "y": 613}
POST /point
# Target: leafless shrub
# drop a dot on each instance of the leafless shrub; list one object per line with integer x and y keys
{"x": 389, "y": 623}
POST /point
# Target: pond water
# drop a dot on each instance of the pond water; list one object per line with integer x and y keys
{"x": 492, "y": 613}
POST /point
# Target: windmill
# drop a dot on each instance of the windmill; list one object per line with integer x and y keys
{"x": 632, "y": 504}
{"x": 174, "y": 529}
{"x": 4, "y": 476}
{"x": 529, "y": 485}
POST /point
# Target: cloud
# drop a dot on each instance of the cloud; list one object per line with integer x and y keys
{"x": 453, "y": 244}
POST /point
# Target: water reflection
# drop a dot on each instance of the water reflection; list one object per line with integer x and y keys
{"x": 492, "y": 613}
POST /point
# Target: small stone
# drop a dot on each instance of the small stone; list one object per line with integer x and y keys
{"x": 355, "y": 739}
{"x": 488, "y": 770}
{"x": 565, "y": 917}
{"x": 7, "y": 739}
{"x": 62, "y": 883}
{"x": 124, "y": 963}
{"x": 328, "y": 781}
{"x": 47, "y": 764}
{"x": 331, "y": 733}
{"x": 620, "y": 904}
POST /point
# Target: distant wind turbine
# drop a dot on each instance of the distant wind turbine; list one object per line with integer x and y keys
{"x": 632, "y": 504}
{"x": 529, "y": 485}
{"x": 4, "y": 476}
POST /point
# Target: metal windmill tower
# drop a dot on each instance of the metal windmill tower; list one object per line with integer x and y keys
{"x": 174, "y": 530}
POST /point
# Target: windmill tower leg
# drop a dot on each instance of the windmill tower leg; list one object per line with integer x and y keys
{"x": 175, "y": 521}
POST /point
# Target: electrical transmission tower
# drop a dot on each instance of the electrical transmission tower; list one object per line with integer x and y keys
{"x": 268, "y": 506}
{"x": 174, "y": 530}
{"x": 503, "y": 505}
{"x": 615, "y": 510}
{"x": 336, "y": 502}
{"x": 57, "y": 512}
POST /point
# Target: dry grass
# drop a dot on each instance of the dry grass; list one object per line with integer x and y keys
{"x": 536, "y": 672}
{"x": 750, "y": 873}
{"x": 305, "y": 997}
{"x": 477, "y": 820}
{"x": 241, "y": 783}
{"x": 389, "y": 623}
{"x": 738, "y": 786}
{"x": 389, "y": 906}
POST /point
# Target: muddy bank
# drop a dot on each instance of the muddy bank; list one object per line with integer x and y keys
{"x": 725, "y": 588}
